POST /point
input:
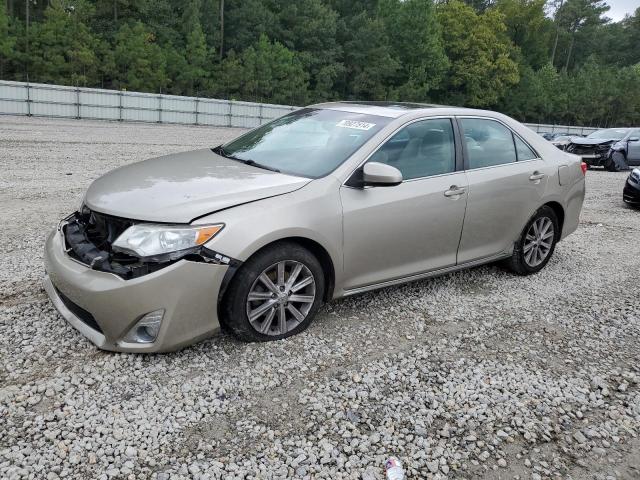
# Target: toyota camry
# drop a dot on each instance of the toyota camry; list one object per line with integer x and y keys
{"x": 328, "y": 201}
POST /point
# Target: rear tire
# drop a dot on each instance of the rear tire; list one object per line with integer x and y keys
{"x": 536, "y": 244}
{"x": 275, "y": 294}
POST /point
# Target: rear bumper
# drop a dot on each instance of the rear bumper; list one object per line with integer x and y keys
{"x": 104, "y": 307}
{"x": 631, "y": 193}
{"x": 573, "y": 207}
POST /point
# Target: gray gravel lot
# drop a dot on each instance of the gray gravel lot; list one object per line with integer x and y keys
{"x": 478, "y": 374}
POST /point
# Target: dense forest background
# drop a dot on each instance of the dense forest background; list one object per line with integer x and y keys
{"x": 559, "y": 61}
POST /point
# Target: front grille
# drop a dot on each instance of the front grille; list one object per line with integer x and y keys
{"x": 89, "y": 237}
{"x": 79, "y": 312}
{"x": 102, "y": 230}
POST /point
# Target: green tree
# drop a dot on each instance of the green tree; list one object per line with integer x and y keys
{"x": 625, "y": 106}
{"x": 414, "y": 35}
{"x": 310, "y": 28}
{"x": 265, "y": 72}
{"x": 479, "y": 5}
{"x": 369, "y": 65}
{"x": 7, "y": 41}
{"x": 481, "y": 67}
{"x": 140, "y": 63}
{"x": 528, "y": 28}
{"x": 617, "y": 43}
{"x": 61, "y": 47}
{"x": 245, "y": 21}
{"x": 481, "y": 53}
{"x": 536, "y": 97}
{"x": 579, "y": 18}
{"x": 191, "y": 72}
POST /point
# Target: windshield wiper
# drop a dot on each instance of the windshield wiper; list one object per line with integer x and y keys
{"x": 220, "y": 151}
{"x": 253, "y": 163}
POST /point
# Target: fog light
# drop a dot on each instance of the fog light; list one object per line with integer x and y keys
{"x": 147, "y": 328}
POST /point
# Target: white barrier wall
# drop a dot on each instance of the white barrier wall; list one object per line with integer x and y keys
{"x": 37, "y": 99}
{"x": 18, "y": 98}
{"x": 543, "y": 128}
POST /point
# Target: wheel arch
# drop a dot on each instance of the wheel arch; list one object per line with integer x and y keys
{"x": 313, "y": 246}
{"x": 559, "y": 211}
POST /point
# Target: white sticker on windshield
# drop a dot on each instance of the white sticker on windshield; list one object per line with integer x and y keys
{"x": 356, "y": 125}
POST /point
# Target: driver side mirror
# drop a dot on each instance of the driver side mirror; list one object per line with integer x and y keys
{"x": 376, "y": 174}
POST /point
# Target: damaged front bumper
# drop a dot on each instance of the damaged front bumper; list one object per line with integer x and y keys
{"x": 631, "y": 191}
{"x": 592, "y": 155}
{"x": 105, "y": 299}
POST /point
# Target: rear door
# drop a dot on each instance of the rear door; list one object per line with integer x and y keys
{"x": 506, "y": 179}
{"x": 414, "y": 227}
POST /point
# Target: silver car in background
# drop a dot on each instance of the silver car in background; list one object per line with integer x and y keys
{"x": 331, "y": 200}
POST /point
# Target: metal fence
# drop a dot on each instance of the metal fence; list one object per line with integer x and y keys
{"x": 36, "y": 99}
{"x": 543, "y": 128}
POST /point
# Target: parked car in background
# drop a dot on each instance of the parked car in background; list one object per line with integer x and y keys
{"x": 631, "y": 192}
{"x": 596, "y": 149}
{"x": 552, "y": 136}
{"x": 625, "y": 152}
{"x": 328, "y": 201}
{"x": 562, "y": 141}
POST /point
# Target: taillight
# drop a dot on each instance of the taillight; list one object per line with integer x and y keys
{"x": 584, "y": 168}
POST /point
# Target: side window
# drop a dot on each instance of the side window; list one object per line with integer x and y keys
{"x": 488, "y": 143}
{"x": 523, "y": 150}
{"x": 421, "y": 149}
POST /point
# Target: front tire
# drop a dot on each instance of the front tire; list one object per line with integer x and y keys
{"x": 616, "y": 162}
{"x": 275, "y": 294}
{"x": 536, "y": 244}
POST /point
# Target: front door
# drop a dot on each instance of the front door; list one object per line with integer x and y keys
{"x": 414, "y": 227}
{"x": 633, "y": 148}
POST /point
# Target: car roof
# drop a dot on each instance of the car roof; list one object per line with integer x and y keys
{"x": 397, "y": 109}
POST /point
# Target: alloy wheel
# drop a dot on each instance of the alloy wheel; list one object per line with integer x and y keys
{"x": 538, "y": 241}
{"x": 281, "y": 297}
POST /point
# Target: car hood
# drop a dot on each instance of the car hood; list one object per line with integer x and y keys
{"x": 592, "y": 141}
{"x": 181, "y": 187}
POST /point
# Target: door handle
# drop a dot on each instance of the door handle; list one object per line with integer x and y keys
{"x": 454, "y": 191}
{"x": 536, "y": 176}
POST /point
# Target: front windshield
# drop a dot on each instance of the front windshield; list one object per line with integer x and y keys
{"x": 609, "y": 134}
{"x": 307, "y": 143}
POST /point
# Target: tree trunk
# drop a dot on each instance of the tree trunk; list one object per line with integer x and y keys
{"x": 27, "y": 38}
{"x": 573, "y": 39}
{"x": 221, "y": 28}
{"x": 555, "y": 46}
{"x": 555, "y": 43}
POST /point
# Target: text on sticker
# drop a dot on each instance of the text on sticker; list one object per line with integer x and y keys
{"x": 356, "y": 125}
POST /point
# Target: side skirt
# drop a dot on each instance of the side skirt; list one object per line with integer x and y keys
{"x": 429, "y": 274}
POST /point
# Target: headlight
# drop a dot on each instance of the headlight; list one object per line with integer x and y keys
{"x": 618, "y": 146}
{"x": 146, "y": 240}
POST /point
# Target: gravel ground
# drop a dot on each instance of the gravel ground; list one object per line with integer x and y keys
{"x": 478, "y": 374}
